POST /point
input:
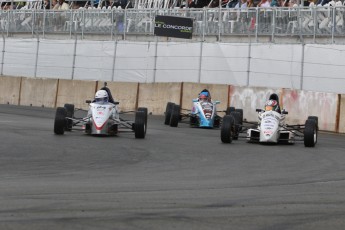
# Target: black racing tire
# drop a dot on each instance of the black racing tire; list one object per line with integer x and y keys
{"x": 240, "y": 111}
{"x": 226, "y": 129}
{"x": 60, "y": 121}
{"x": 175, "y": 116}
{"x": 144, "y": 109}
{"x": 168, "y": 112}
{"x": 70, "y": 114}
{"x": 229, "y": 110}
{"x": 236, "y": 126}
{"x": 139, "y": 126}
{"x": 316, "y": 121}
{"x": 310, "y": 133}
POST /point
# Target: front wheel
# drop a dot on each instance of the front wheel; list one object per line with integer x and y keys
{"x": 168, "y": 112}
{"x": 226, "y": 132}
{"x": 143, "y": 109}
{"x": 139, "y": 124}
{"x": 310, "y": 133}
{"x": 60, "y": 121}
{"x": 175, "y": 116}
{"x": 316, "y": 120}
{"x": 69, "y": 114}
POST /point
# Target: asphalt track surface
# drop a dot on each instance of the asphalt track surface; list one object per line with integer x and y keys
{"x": 175, "y": 178}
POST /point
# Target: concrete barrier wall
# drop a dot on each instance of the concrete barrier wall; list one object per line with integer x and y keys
{"x": 10, "y": 90}
{"x": 301, "y": 104}
{"x": 155, "y": 96}
{"x": 75, "y": 92}
{"x": 329, "y": 107}
{"x": 124, "y": 92}
{"x": 38, "y": 92}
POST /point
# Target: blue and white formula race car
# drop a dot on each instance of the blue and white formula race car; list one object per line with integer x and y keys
{"x": 270, "y": 128}
{"x": 203, "y": 113}
{"x": 102, "y": 119}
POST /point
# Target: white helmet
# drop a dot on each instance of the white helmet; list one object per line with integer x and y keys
{"x": 101, "y": 96}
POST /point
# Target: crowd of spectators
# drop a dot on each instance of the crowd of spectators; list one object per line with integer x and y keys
{"x": 64, "y": 5}
{"x": 254, "y": 3}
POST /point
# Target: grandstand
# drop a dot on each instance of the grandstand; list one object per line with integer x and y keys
{"x": 107, "y": 21}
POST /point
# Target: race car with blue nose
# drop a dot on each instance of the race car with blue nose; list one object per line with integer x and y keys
{"x": 203, "y": 113}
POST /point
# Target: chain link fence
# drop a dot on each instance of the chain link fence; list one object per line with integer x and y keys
{"x": 316, "y": 24}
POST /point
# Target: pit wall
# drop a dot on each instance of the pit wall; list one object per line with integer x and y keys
{"x": 52, "y": 93}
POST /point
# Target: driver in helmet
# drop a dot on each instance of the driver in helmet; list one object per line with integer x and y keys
{"x": 204, "y": 96}
{"x": 101, "y": 96}
{"x": 272, "y": 105}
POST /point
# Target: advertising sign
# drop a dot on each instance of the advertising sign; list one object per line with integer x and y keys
{"x": 170, "y": 26}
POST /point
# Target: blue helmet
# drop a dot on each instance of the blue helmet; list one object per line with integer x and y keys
{"x": 204, "y": 93}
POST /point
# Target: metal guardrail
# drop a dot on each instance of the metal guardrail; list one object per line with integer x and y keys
{"x": 302, "y": 22}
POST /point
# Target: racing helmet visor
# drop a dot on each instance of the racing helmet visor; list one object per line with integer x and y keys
{"x": 101, "y": 100}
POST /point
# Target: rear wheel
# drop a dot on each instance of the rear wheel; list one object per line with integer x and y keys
{"x": 316, "y": 121}
{"x": 175, "y": 116}
{"x": 60, "y": 121}
{"x": 168, "y": 111}
{"x": 143, "y": 109}
{"x": 310, "y": 133}
{"x": 226, "y": 129}
{"x": 240, "y": 111}
{"x": 236, "y": 126}
{"x": 69, "y": 114}
{"x": 139, "y": 124}
{"x": 229, "y": 110}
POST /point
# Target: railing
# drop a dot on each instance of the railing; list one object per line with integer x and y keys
{"x": 312, "y": 23}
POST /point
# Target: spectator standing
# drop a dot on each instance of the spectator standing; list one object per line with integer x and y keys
{"x": 264, "y": 4}
{"x": 250, "y": 3}
{"x": 63, "y": 5}
{"x": 55, "y": 5}
{"x": 274, "y": 3}
{"x": 46, "y": 4}
{"x": 242, "y": 4}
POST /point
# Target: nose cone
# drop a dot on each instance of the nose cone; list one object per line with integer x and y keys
{"x": 206, "y": 123}
{"x": 268, "y": 136}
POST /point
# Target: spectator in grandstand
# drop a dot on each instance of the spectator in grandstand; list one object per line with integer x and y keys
{"x": 322, "y": 2}
{"x": 274, "y": 3}
{"x": 232, "y": 3}
{"x": 63, "y": 5}
{"x": 250, "y": 3}
{"x": 46, "y": 4}
{"x": 264, "y": 4}
{"x": 241, "y": 4}
{"x": 55, "y": 5}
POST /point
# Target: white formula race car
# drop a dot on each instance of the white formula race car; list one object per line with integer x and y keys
{"x": 103, "y": 118}
{"x": 270, "y": 128}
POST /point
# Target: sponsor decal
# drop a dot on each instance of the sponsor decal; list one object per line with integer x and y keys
{"x": 270, "y": 115}
{"x": 269, "y": 132}
{"x": 100, "y": 107}
{"x": 170, "y": 26}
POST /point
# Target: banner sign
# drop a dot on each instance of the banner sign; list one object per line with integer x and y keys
{"x": 170, "y": 26}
